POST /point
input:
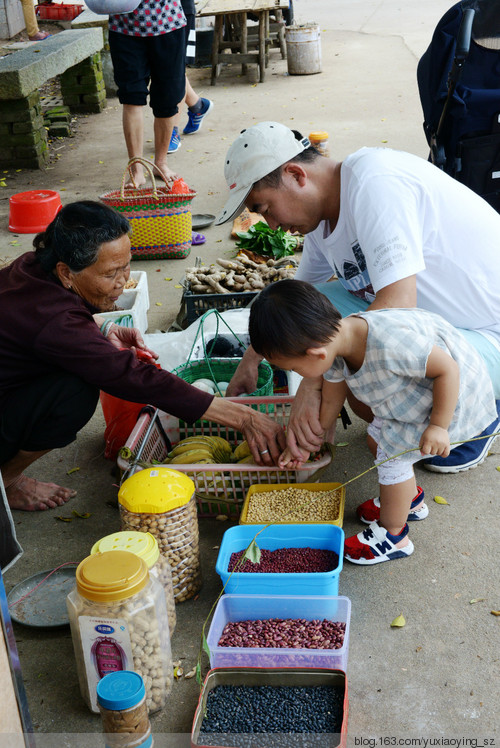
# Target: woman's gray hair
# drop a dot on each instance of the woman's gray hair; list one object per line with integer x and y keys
{"x": 77, "y": 233}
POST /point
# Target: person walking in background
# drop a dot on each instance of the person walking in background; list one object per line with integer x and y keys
{"x": 148, "y": 52}
{"x": 424, "y": 382}
{"x": 197, "y": 106}
{"x": 34, "y": 33}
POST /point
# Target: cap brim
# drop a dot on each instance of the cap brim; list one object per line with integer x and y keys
{"x": 233, "y": 206}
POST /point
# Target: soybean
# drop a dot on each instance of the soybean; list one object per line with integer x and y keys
{"x": 293, "y": 505}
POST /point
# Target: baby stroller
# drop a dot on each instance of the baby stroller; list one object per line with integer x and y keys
{"x": 459, "y": 85}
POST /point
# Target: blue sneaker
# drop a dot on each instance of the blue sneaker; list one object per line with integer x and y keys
{"x": 195, "y": 120}
{"x": 467, "y": 455}
{"x": 175, "y": 141}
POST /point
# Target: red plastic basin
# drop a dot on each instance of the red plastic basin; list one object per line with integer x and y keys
{"x": 32, "y": 211}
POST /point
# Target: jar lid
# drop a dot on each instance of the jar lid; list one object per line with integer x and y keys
{"x": 155, "y": 491}
{"x": 120, "y": 690}
{"x": 113, "y": 575}
{"x": 143, "y": 544}
{"x": 320, "y": 135}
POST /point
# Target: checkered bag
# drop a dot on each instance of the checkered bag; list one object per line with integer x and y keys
{"x": 160, "y": 219}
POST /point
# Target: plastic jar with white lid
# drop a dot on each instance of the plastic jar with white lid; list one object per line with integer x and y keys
{"x": 118, "y": 619}
{"x": 143, "y": 544}
{"x": 121, "y": 697}
{"x": 162, "y": 501}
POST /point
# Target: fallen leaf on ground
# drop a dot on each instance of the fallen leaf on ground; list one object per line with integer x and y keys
{"x": 64, "y": 519}
{"x": 440, "y": 500}
{"x": 495, "y": 612}
{"x": 72, "y": 470}
{"x": 399, "y": 621}
{"x": 85, "y": 515}
{"x": 476, "y": 600}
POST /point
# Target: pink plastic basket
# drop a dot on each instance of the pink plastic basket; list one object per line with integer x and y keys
{"x": 220, "y": 489}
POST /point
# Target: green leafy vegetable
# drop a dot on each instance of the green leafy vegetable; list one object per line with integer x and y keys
{"x": 263, "y": 240}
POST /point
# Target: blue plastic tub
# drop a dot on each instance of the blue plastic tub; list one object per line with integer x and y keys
{"x": 231, "y": 608}
{"x": 327, "y": 537}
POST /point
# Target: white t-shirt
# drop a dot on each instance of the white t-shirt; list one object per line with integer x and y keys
{"x": 400, "y": 216}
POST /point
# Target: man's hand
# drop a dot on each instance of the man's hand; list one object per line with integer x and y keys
{"x": 304, "y": 432}
{"x": 244, "y": 379}
{"x": 435, "y": 441}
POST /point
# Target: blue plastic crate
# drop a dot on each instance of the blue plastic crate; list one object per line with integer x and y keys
{"x": 327, "y": 537}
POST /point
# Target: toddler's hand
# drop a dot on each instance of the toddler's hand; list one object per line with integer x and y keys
{"x": 435, "y": 441}
{"x": 288, "y": 462}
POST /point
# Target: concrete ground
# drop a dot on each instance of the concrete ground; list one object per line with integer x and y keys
{"x": 436, "y": 678}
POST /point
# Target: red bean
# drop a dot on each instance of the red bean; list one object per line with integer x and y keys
{"x": 284, "y": 633}
{"x": 287, "y": 561}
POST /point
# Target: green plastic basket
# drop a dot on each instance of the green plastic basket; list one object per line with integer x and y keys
{"x": 222, "y": 370}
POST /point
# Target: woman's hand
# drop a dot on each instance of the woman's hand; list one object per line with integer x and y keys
{"x": 265, "y": 437}
{"x": 305, "y": 432}
{"x": 435, "y": 441}
{"x": 128, "y": 337}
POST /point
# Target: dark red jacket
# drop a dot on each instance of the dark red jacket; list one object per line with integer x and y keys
{"x": 44, "y": 328}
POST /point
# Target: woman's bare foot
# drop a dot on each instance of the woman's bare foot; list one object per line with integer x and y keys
{"x": 32, "y": 495}
{"x": 137, "y": 178}
{"x": 166, "y": 173}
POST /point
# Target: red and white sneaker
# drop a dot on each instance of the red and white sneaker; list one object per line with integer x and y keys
{"x": 369, "y": 511}
{"x": 374, "y": 545}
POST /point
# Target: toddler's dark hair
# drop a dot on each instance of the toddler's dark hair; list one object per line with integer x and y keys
{"x": 289, "y": 317}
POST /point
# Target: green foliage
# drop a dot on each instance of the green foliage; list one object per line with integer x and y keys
{"x": 263, "y": 240}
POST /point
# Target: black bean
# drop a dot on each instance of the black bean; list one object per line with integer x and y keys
{"x": 268, "y": 716}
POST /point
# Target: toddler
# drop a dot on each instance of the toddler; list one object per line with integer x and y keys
{"x": 425, "y": 385}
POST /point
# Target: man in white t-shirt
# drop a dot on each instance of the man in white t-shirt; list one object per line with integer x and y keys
{"x": 394, "y": 229}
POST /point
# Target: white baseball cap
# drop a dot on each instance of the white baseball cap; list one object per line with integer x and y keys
{"x": 257, "y": 151}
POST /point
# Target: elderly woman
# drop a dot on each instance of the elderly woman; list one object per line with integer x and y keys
{"x": 55, "y": 358}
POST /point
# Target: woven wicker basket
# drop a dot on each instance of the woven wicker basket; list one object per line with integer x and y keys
{"x": 160, "y": 219}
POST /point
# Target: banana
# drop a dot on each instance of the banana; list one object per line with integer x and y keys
{"x": 248, "y": 459}
{"x": 185, "y": 446}
{"x": 222, "y": 455}
{"x": 223, "y": 443}
{"x": 193, "y": 456}
{"x": 242, "y": 450}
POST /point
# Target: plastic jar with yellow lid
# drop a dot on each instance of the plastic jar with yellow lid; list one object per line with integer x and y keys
{"x": 118, "y": 619}
{"x": 319, "y": 140}
{"x": 143, "y": 544}
{"x": 162, "y": 501}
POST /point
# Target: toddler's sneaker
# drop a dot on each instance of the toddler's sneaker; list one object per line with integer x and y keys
{"x": 195, "y": 120}
{"x": 369, "y": 511}
{"x": 375, "y": 545}
{"x": 175, "y": 141}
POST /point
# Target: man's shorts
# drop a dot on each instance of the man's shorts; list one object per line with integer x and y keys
{"x": 150, "y": 65}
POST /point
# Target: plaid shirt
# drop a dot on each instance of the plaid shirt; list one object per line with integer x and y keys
{"x": 150, "y": 18}
{"x": 393, "y": 382}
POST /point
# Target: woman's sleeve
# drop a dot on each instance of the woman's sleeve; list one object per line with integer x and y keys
{"x": 73, "y": 342}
